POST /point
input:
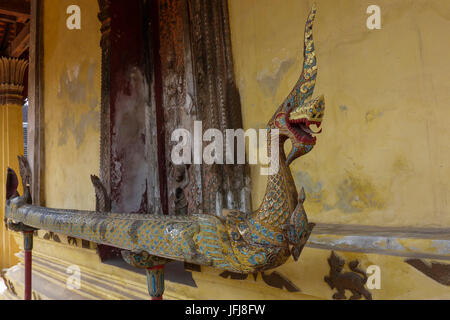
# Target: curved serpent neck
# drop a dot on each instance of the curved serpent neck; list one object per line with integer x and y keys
{"x": 281, "y": 195}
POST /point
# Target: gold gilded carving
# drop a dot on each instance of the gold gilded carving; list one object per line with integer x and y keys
{"x": 12, "y": 72}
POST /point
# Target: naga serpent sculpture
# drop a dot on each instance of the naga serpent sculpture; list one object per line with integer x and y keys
{"x": 237, "y": 242}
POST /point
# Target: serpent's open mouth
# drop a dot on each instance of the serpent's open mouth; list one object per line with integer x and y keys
{"x": 300, "y": 120}
{"x": 301, "y": 128}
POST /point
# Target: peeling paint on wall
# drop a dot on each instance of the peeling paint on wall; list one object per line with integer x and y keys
{"x": 314, "y": 190}
{"x": 353, "y": 194}
{"x": 356, "y": 193}
{"x": 270, "y": 81}
{"x": 76, "y": 87}
{"x": 373, "y": 114}
{"x": 71, "y": 97}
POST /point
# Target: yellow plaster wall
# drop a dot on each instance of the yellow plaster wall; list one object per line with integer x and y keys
{"x": 384, "y": 137}
{"x": 398, "y": 280}
{"x": 72, "y": 94}
{"x": 384, "y": 155}
{"x": 11, "y": 146}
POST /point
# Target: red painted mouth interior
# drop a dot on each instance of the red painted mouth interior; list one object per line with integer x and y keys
{"x": 301, "y": 129}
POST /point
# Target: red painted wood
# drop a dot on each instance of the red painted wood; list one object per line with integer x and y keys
{"x": 158, "y": 87}
{"x": 160, "y": 267}
{"x": 28, "y": 269}
{"x": 134, "y": 42}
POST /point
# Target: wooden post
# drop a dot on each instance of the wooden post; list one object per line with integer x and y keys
{"x": 36, "y": 155}
{"x": 28, "y": 247}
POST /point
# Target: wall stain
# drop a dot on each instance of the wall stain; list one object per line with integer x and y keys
{"x": 76, "y": 90}
{"x": 313, "y": 189}
{"x": 373, "y": 115}
{"x": 72, "y": 86}
{"x": 356, "y": 194}
{"x": 401, "y": 166}
{"x": 270, "y": 82}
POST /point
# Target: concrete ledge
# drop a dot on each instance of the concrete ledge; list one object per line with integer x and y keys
{"x": 420, "y": 243}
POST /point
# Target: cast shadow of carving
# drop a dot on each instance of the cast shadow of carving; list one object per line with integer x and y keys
{"x": 274, "y": 279}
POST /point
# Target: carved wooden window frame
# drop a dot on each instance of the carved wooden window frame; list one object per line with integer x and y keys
{"x": 36, "y": 154}
{"x": 209, "y": 82}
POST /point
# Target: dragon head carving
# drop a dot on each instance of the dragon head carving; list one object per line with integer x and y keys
{"x": 298, "y": 112}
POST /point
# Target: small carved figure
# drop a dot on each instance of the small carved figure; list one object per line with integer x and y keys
{"x": 25, "y": 171}
{"x": 346, "y": 280}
